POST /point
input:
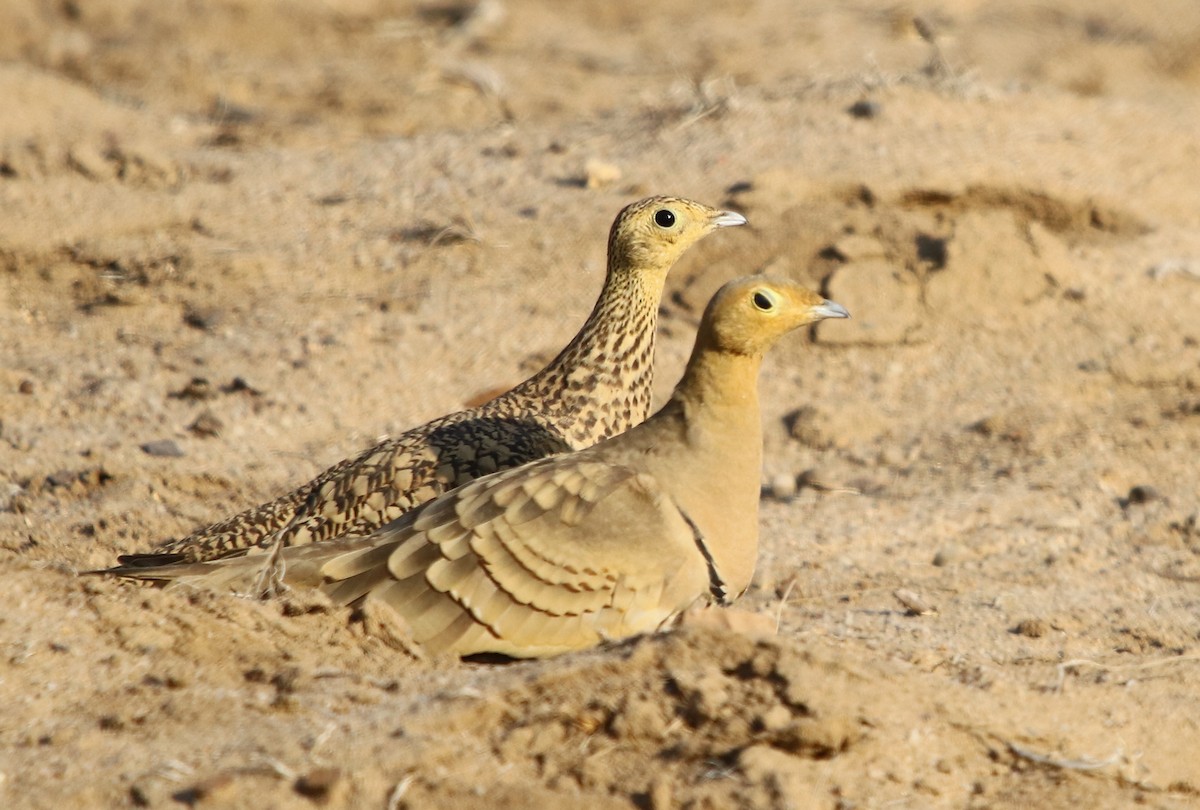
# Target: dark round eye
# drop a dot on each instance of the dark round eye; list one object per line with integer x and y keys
{"x": 664, "y": 218}
{"x": 763, "y": 301}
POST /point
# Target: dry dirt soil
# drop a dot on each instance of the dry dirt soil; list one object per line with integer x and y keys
{"x": 241, "y": 240}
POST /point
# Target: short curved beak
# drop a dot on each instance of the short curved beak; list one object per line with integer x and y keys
{"x": 727, "y": 219}
{"x": 828, "y": 309}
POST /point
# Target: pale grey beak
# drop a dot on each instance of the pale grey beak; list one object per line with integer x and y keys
{"x": 727, "y": 219}
{"x": 828, "y": 309}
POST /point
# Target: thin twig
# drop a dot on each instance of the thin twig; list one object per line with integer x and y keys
{"x": 1084, "y": 662}
{"x": 1175, "y": 577}
{"x": 782, "y": 602}
{"x": 322, "y": 738}
{"x": 270, "y": 765}
{"x": 1085, "y": 764}
{"x": 397, "y": 794}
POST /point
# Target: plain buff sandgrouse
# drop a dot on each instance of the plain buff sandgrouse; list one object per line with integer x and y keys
{"x": 568, "y": 551}
{"x": 597, "y": 387}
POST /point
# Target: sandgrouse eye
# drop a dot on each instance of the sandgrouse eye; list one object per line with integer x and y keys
{"x": 762, "y": 301}
{"x": 664, "y": 218}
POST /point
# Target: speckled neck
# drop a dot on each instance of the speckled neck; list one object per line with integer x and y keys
{"x": 600, "y": 384}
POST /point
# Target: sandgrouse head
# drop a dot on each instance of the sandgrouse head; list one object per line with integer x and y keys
{"x": 648, "y": 236}
{"x": 749, "y": 314}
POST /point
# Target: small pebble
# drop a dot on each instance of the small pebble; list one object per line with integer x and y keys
{"x": 215, "y": 787}
{"x": 947, "y": 556}
{"x": 598, "y": 174}
{"x": 1031, "y": 628}
{"x": 913, "y": 603}
{"x": 25, "y": 387}
{"x": 203, "y": 318}
{"x": 198, "y": 388}
{"x": 783, "y": 486}
{"x": 318, "y": 783}
{"x": 809, "y": 426}
{"x": 165, "y": 448}
{"x": 206, "y": 425}
{"x": 1142, "y": 493}
{"x": 139, "y": 796}
{"x": 864, "y": 109}
{"x": 239, "y": 385}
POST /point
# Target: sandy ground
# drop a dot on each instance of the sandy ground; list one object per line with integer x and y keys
{"x": 347, "y": 218}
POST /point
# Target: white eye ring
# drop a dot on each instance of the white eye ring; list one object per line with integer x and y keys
{"x": 664, "y": 218}
{"x": 763, "y": 300}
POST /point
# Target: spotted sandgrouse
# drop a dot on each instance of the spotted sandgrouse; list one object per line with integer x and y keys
{"x": 597, "y": 387}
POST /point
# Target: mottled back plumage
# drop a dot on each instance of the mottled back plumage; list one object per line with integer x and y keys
{"x": 597, "y": 387}
{"x": 568, "y": 551}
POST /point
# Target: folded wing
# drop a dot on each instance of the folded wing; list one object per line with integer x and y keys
{"x": 554, "y": 556}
